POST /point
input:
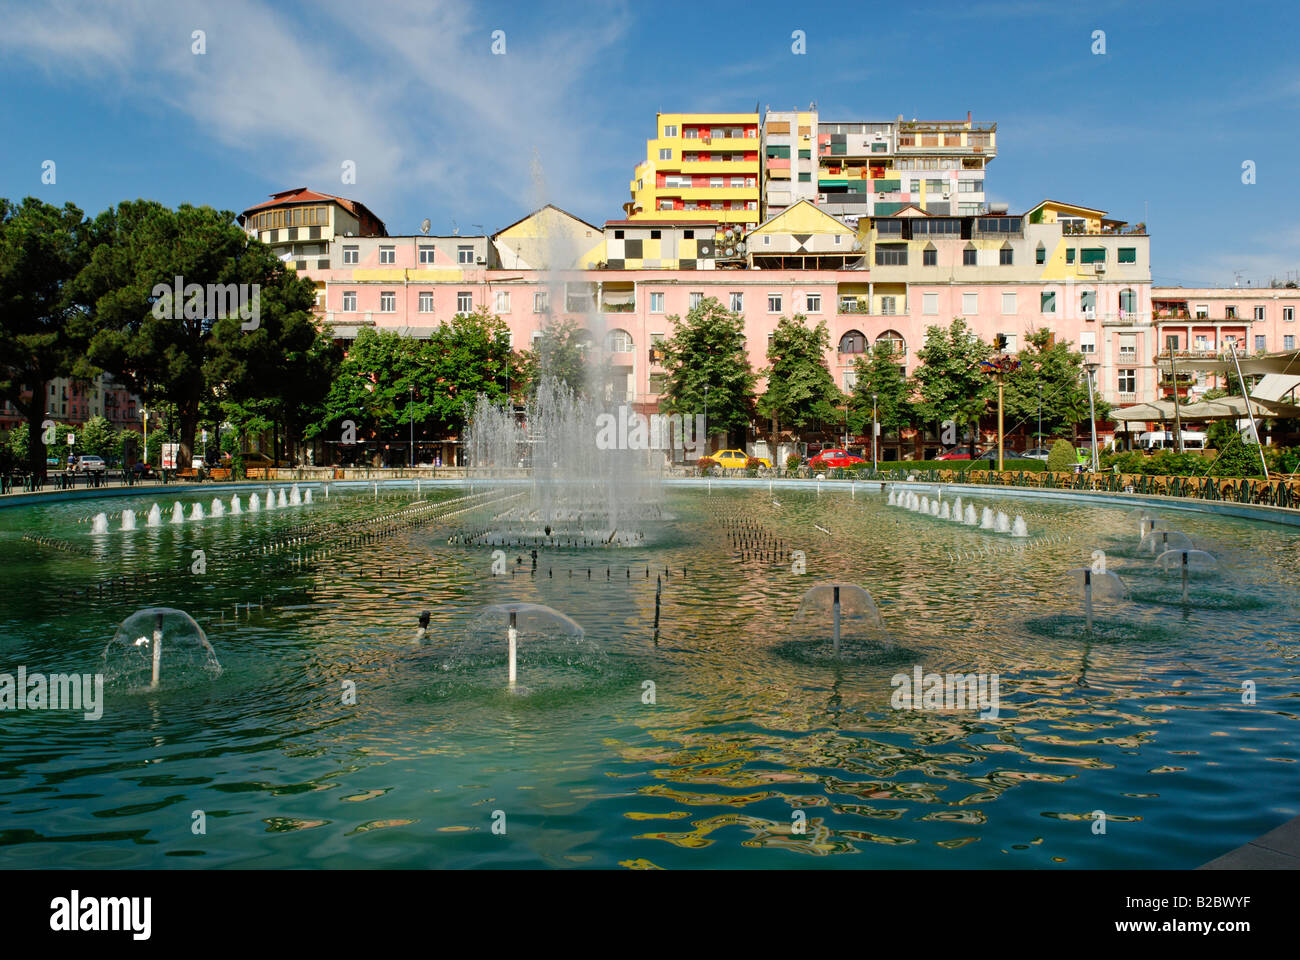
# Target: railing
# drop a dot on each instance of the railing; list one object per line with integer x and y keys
{"x": 854, "y": 306}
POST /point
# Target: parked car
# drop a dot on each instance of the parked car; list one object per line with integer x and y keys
{"x": 89, "y": 464}
{"x": 1007, "y": 454}
{"x": 955, "y": 453}
{"x": 738, "y": 459}
{"x": 833, "y": 458}
{"x": 1038, "y": 453}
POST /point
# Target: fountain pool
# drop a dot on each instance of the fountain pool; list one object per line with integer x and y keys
{"x": 328, "y": 739}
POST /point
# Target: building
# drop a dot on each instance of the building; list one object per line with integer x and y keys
{"x": 855, "y": 169}
{"x": 75, "y": 402}
{"x": 699, "y": 166}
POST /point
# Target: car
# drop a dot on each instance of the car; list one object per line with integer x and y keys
{"x": 737, "y": 460}
{"x": 833, "y": 457}
{"x": 1038, "y": 453}
{"x": 89, "y": 463}
{"x": 992, "y": 454}
{"x": 955, "y": 453}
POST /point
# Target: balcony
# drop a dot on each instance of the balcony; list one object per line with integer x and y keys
{"x": 859, "y": 305}
{"x": 616, "y": 308}
{"x": 1125, "y": 318}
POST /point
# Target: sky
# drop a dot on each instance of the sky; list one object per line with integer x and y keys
{"x": 1156, "y": 129}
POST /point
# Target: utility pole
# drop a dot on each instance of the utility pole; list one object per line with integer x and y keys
{"x": 1092, "y": 414}
{"x": 875, "y": 431}
{"x": 1172, "y": 343}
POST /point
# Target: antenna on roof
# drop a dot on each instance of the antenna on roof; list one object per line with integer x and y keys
{"x": 424, "y": 225}
{"x": 455, "y": 230}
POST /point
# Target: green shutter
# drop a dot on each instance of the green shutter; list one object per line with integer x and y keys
{"x": 805, "y": 177}
{"x": 885, "y": 209}
{"x": 1069, "y": 255}
{"x": 1128, "y": 255}
{"x": 1092, "y": 255}
{"x": 885, "y": 186}
{"x": 805, "y": 154}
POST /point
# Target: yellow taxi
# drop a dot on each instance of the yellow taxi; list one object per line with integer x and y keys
{"x": 737, "y": 459}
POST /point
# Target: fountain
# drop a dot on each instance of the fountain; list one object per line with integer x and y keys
{"x": 986, "y": 519}
{"x": 970, "y": 520}
{"x": 1187, "y": 561}
{"x": 1095, "y": 583}
{"x": 507, "y": 640}
{"x": 891, "y": 501}
{"x": 306, "y": 495}
{"x": 1003, "y": 523}
{"x": 100, "y": 523}
{"x": 178, "y": 513}
{"x": 295, "y": 497}
{"x": 934, "y": 508}
{"x": 282, "y": 500}
{"x": 155, "y": 516}
{"x": 135, "y": 654}
{"x": 234, "y": 504}
{"x": 128, "y": 519}
{"x": 945, "y": 511}
{"x": 254, "y": 504}
{"x": 1162, "y": 541}
{"x": 838, "y": 621}
{"x": 218, "y": 508}
{"x": 196, "y": 511}
{"x": 270, "y": 499}
{"x": 1019, "y": 528}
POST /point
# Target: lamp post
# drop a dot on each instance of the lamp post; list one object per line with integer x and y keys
{"x": 706, "y": 419}
{"x": 1040, "y": 415}
{"x": 412, "y": 427}
{"x": 999, "y": 366}
{"x": 144, "y": 419}
{"x": 875, "y": 431}
{"x": 1090, "y": 369}
{"x": 846, "y": 428}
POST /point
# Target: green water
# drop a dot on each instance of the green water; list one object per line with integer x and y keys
{"x": 751, "y": 729}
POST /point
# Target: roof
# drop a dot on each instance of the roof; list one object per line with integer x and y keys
{"x": 1061, "y": 203}
{"x": 549, "y": 206}
{"x": 808, "y": 203}
{"x": 661, "y": 223}
{"x": 303, "y": 195}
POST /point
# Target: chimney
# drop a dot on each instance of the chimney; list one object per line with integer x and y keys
{"x": 968, "y": 118}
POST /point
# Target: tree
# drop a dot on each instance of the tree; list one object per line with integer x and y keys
{"x": 1050, "y": 365}
{"x": 1062, "y": 457}
{"x": 880, "y": 374}
{"x": 560, "y": 352}
{"x": 43, "y": 322}
{"x": 800, "y": 389}
{"x": 97, "y": 437}
{"x": 950, "y": 382}
{"x": 707, "y": 350}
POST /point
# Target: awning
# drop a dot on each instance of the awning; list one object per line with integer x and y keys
{"x": 1160, "y": 410}
{"x": 1287, "y": 362}
{"x": 1224, "y": 408}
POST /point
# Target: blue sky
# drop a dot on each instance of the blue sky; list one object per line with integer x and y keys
{"x": 1157, "y": 128}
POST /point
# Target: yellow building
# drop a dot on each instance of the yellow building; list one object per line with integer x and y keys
{"x": 699, "y": 166}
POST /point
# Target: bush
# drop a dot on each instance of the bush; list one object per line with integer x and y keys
{"x": 793, "y": 462}
{"x": 1062, "y": 458}
{"x": 705, "y": 464}
{"x": 1239, "y": 459}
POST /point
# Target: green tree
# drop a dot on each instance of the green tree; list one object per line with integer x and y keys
{"x": 1062, "y": 457}
{"x": 466, "y": 357}
{"x": 707, "y": 368}
{"x": 43, "y": 323}
{"x": 97, "y": 437}
{"x": 880, "y": 374}
{"x": 950, "y": 383}
{"x": 800, "y": 388}
{"x": 1050, "y": 366}
{"x": 560, "y": 352}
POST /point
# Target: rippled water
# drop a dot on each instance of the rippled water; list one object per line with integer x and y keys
{"x": 749, "y": 723}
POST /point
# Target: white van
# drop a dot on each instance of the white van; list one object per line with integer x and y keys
{"x": 1164, "y": 440}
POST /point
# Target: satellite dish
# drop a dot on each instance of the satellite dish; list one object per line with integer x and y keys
{"x": 706, "y": 249}
{"x": 730, "y": 233}
{"x": 741, "y": 246}
{"x": 731, "y": 251}
{"x": 424, "y": 225}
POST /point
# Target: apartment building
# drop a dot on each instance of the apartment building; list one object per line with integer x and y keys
{"x": 699, "y": 166}
{"x": 75, "y": 402}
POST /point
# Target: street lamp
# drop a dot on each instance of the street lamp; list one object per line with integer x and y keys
{"x": 875, "y": 431}
{"x": 412, "y": 427}
{"x": 706, "y": 419}
{"x": 1040, "y": 415}
{"x": 1091, "y": 369}
{"x": 999, "y": 366}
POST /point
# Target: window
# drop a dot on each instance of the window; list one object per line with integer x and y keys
{"x": 838, "y": 238}
{"x": 889, "y": 306}
{"x": 1047, "y": 301}
{"x": 1040, "y": 255}
{"x": 618, "y": 341}
{"x": 812, "y": 302}
{"x": 665, "y": 204}
{"x": 891, "y": 254}
{"x": 1260, "y": 342}
{"x": 1128, "y": 255}
{"x": 691, "y": 133}
{"x": 542, "y": 301}
{"x": 465, "y": 254}
{"x": 1288, "y": 342}
{"x": 737, "y": 181}
{"x": 1259, "y": 313}
{"x": 853, "y": 342}
{"x": 929, "y": 258}
{"x": 968, "y": 257}
{"x": 1005, "y": 257}
{"x": 1087, "y": 342}
{"x": 805, "y": 178}
{"x": 894, "y": 341}
{"x": 688, "y": 234}
{"x": 351, "y": 255}
{"x": 349, "y": 301}
{"x": 1128, "y": 346}
{"x": 1128, "y": 380}
{"x": 915, "y": 186}
{"x": 1288, "y": 314}
{"x": 936, "y": 227}
{"x": 655, "y": 235}
{"x": 1069, "y": 254}
{"x": 715, "y": 181}
{"x": 1008, "y": 303}
{"x": 1008, "y": 342}
{"x": 737, "y": 302}
{"x": 695, "y": 299}
{"x": 1092, "y": 255}
{"x": 885, "y": 228}
{"x": 465, "y": 301}
{"x": 970, "y": 186}
{"x": 426, "y": 254}
{"x": 1202, "y": 311}
{"x": 1127, "y": 300}
{"x": 656, "y": 303}
{"x": 1088, "y": 302}
{"x": 666, "y": 153}
{"x": 501, "y": 301}
{"x": 1230, "y": 312}
{"x": 774, "y": 303}
{"x": 388, "y": 301}
{"x": 426, "y": 301}
{"x": 670, "y": 130}
{"x": 970, "y": 304}
{"x": 387, "y": 254}
{"x": 934, "y": 186}
{"x": 930, "y": 304}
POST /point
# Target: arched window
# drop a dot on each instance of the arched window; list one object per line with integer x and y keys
{"x": 897, "y": 345}
{"x": 618, "y": 341}
{"x": 1128, "y": 300}
{"x": 853, "y": 342}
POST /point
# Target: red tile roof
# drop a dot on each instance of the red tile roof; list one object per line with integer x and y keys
{"x": 303, "y": 195}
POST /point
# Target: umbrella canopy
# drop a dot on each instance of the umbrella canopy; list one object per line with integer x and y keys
{"x": 1160, "y": 410}
{"x": 1224, "y": 408}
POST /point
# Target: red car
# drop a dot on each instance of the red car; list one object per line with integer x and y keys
{"x": 955, "y": 453}
{"x": 834, "y": 458}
